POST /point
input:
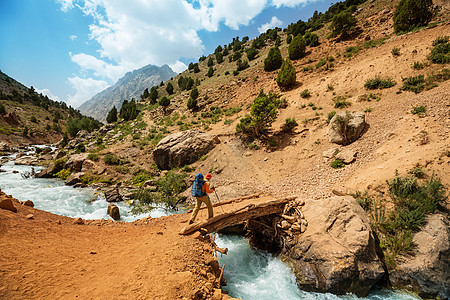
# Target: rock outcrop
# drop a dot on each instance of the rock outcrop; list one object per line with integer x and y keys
{"x": 113, "y": 211}
{"x": 8, "y": 205}
{"x": 75, "y": 162}
{"x": 427, "y": 272}
{"x": 27, "y": 160}
{"x": 183, "y": 148}
{"x": 74, "y": 178}
{"x": 346, "y": 127}
{"x": 337, "y": 252}
{"x": 113, "y": 195}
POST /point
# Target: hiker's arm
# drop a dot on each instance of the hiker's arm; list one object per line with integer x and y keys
{"x": 207, "y": 188}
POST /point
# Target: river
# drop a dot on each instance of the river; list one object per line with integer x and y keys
{"x": 250, "y": 274}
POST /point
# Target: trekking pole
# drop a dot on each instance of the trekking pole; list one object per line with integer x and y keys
{"x": 218, "y": 200}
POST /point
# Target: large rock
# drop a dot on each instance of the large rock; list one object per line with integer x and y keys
{"x": 5, "y": 148}
{"x": 183, "y": 148}
{"x": 74, "y": 178}
{"x": 346, "y": 127}
{"x": 113, "y": 211}
{"x": 27, "y": 160}
{"x": 8, "y": 205}
{"x": 337, "y": 252}
{"x": 47, "y": 172}
{"x": 113, "y": 195}
{"x": 427, "y": 272}
{"x": 75, "y": 162}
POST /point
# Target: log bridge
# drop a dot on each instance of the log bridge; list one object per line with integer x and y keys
{"x": 249, "y": 211}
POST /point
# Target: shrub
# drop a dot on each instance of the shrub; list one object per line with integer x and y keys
{"x": 289, "y": 39}
{"x": 340, "y": 102}
{"x": 343, "y": 23}
{"x": 194, "y": 93}
{"x": 410, "y": 14}
{"x": 219, "y": 57}
{"x": 210, "y": 62}
{"x": 305, "y": 94}
{"x": 153, "y": 95}
{"x": 363, "y": 199}
{"x": 418, "y": 65}
{"x": 419, "y": 110}
{"x": 111, "y": 159}
{"x": 286, "y": 76}
{"x": 289, "y": 124}
{"x": 414, "y": 84}
{"x": 321, "y": 63}
{"x": 395, "y": 51}
{"x": 337, "y": 164}
{"x": 242, "y": 65}
{"x": 330, "y": 116}
{"x": 251, "y": 53}
{"x": 440, "y": 54}
{"x": 210, "y": 72}
{"x": 273, "y": 60}
{"x": 311, "y": 39}
{"x": 296, "y": 48}
{"x": 191, "y": 103}
{"x": 93, "y": 156}
{"x": 378, "y": 83}
{"x": 196, "y": 68}
{"x": 169, "y": 88}
{"x": 33, "y": 119}
{"x": 112, "y": 115}
{"x": 59, "y": 165}
{"x": 164, "y": 102}
{"x": 189, "y": 83}
{"x": 63, "y": 174}
{"x": 263, "y": 113}
{"x": 2, "y": 109}
{"x": 129, "y": 110}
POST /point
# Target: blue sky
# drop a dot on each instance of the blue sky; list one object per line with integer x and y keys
{"x": 72, "y": 49}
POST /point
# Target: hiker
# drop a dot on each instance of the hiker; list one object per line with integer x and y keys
{"x": 200, "y": 190}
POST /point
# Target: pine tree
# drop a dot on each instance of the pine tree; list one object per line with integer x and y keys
{"x": 164, "y": 102}
{"x": 273, "y": 60}
{"x": 412, "y": 13}
{"x": 286, "y": 76}
{"x": 194, "y": 93}
{"x": 297, "y": 48}
{"x": 153, "y": 94}
{"x": 112, "y": 115}
{"x": 169, "y": 88}
{"x": 210, "y": 72}
{"x": 196, "y": 68}
{"x": 210, "y": 62}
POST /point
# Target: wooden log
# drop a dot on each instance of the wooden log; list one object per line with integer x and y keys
{"x": 218, "y": 222}
{"x": 239, "y": 199}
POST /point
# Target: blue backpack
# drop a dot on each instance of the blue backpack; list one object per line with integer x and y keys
{"x": 196, "y": 190}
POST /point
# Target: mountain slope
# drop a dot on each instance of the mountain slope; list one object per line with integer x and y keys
{"x": 132, "y": 85}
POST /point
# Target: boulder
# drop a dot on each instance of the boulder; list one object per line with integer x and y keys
{"x": 27, "y": 160}
{"x": 113, "y": 211}
{"x": 59, "y": 154}
{"x": 28, "y": 203}
{"x": 346, "y": 127}
{"x": 5, "y": 148}
{"x": 336, "y": 253}
{"x": 75, "y": 162}
{"x": 8, "y": 205}
{"x": 330, "y": 153}
{"x": 74, "y": 178}
{"x": 88, "y": 165}
{"x": 427, "y": 271}
{"x": 183, "y": 148}
{"x": 113, "y": 195}
{"x": 347, "y": 156}
{"x": 46, "y": 173}
{"x": 105, "y": 128}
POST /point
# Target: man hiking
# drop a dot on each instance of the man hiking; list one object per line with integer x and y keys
{"x": 200, "y": 190}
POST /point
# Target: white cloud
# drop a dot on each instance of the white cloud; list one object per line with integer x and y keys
{"x": 85, "y": 89}
{"x": 66, "y": 5}
{"x": 178, "y": 67}
{"x": 48, "y": 93}
{"x": 290, "y": 3}
{"x": 274, "y": 22}
{"x": 73, "y": 37}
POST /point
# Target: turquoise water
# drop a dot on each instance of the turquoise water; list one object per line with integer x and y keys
{"x": 257, "y": 275}
{"x": 250, "y": 274}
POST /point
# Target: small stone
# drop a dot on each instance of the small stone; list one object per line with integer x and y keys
{"x": 58, "y": 222}
{"x": 285, "y": 224}
{"x": 29, "y": 216}
{"x": 347, "y": 156}
{"x": 266, "y": 158}
{"x": 28, "y": 203}
{"x": 93, "y": 252}
{"x": 78, "y": 221}
{"x": 8, "y": 205}
{"x": 330, "y": 153}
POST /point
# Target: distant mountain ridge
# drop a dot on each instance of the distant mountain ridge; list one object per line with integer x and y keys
{"x": 132, "y": 85}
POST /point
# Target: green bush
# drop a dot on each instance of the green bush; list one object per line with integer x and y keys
{"x": 242, "y": 65}
{"x": 93, "y": 156}
{"x": 251, "y": 53}
{"x": 289, "y": 39}
{"x": 263, "y": 113}
{"x": 297, "y": 48}
{"x": 196, "y": 68}
{"x": 273, "y": 60}
{"x": 169, "y": 88}
{"x": 305, "y": 94}
{"x": 414, "y": 84}
{"x": 311, "y": 39}
{"x": 153, "y": 94}
{"x": 111, "y": 159}
{"x": 418, "y": 65}
{"x": 337, "y": 164}
{"x": 378, "y": 83}
{"x": 340, "y": 102}
{"x": 363, "y": 199}
{"x": 59, "y": 165}
{"x": 194, "y": 93}
{"x": 410, "y": 14}
{"x": 286, "y": 76}
{"x": 289, "y": 124}
{"x": 440, "y": 54}
{"x": 164, "y": 102}
{"x": 210, "y": 72}
{"x": 395, "y": 51}
{"x": 419, "y": 110}
{"x": 191, "y": 103}
{"x": 129, "y": 110}
{"x": 330, "y": 116}
{"x": 320, "y": 63}
{"x": 210, "y": 62}
{"x": 343, "y": 23}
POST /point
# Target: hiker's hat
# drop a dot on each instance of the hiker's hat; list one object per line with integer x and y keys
{"x": 208, "y": 176}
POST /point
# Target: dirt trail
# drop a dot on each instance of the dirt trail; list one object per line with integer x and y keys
{"x": 50, "y": 257}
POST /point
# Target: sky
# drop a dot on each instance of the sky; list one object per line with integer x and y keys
{"x": 70, "y": 50}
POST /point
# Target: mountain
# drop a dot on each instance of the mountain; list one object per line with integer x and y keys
{"x": 132, "y": 85}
